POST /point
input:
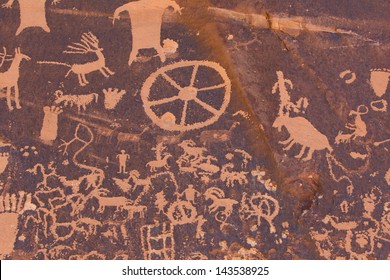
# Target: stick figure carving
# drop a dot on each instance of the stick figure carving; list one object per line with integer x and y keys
{"x": 32, "y": 13}
{"x": 10, "y": 78}
{"x": 146, "y": 20}
{"x": 89, "y": 44}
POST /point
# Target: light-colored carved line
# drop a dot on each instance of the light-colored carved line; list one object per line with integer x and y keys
{"x": 184, "y": 115}
{"x": 171, "y": 81}
{"x": 193, "y": 77}
{"x": 206, "y": 106}
{"x": 163, "y": 101}
{"x": 212, "y": 87}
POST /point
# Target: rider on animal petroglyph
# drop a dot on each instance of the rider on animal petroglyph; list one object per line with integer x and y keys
{"x": 359, "y": 127}
{"x": 32, "y": 13}
{"x": 301, "y": 131}
{"x": 161, "y": 158}
{"x": 89, "y": 44}
{"x": 10, "y": 78}
{"x": 146, "y": 20}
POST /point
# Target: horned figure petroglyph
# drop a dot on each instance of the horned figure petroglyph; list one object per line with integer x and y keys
{"x": 112, "y": 97}
{"x": 231, "y": 177}
{"x": 285, "y": 103}
{"x": 261, "y": 206}
{"x": 89, "y": 44}
{"x": 10, "y": 78}
{"x": 81, "y": 101}
{"x": 50, "y": 124}
{"x": 146, "y": 20}
{"x": 221, "y": 205}
{"x": 207, "y": 137}
{"x": 31, "y": 14}
{"x": 161, "y": 158}
{"x": 132, "y": 138}
{"x": 379, "y": 81}
{"x": 359, "y": 127}
{"x": 11, "y": 207}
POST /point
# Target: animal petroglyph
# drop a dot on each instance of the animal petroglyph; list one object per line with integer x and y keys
{"x": 10, "y": 78}
{"x": 151, "y": 235}
{"x": 31, "y": 14}
{"x": 261, "y": 206}
{"x": 221, "y": 206}
{"x": 146, "y": 20}
{"x": 207, "y": 137}
{"x": 231, "y": 177}
{"x": 379, "y": 79}
{"x": 112, "y": 97}
{"x": 359, "y": 127}
{"x": 188, "y": 94}
{"x": 89, "y": 44}
{"x": 81, "y": 101}
{"x": 49, "y": 128}
{"x": 11, "y": 207}
{"x": 161, "y": 158}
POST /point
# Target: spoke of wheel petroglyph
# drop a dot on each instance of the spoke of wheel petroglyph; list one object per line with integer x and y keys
{"x": 171, "y": 81}
{"x": 194, "y": 72}
{"x": 184, "y": 115}
{"x": 163, "y": 101}
{"x": 207, "y": 106}
{"x": 212, "y": 87}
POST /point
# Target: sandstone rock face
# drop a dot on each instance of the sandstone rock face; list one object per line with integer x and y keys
{"x": 161, "y": 129}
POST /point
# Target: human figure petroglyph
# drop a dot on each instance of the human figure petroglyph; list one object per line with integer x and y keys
{"x": 10, "y": 79}
{"x": 246, "y": 157}
{"x": 89, "y": 44}
{"x": 207, "y": 137}
{"x": 359, "y": 127}
{"x": 11, "y": 207}
{"x": 146, "y": 21}
{"x": 379, "y": 80}
{"x": 31, "y": 14}
{"x": 112, "y": 97}
{"x": 261, "y": 206}
{"x": 286, "y": 105}
{"x": 161, "y": 158}
{"x": 190, "y": 193}
{"x": 151, "y": 235}
{"x": 122, "y": 158}
{"x": 81, "y": 101}
{"x": 49, "y": 128}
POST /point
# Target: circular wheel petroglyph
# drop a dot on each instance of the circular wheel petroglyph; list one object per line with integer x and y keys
{"x": 188, "y": 94}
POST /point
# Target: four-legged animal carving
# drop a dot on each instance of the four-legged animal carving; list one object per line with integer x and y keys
{"x": 10, "y": 78}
